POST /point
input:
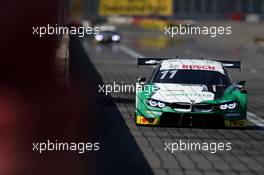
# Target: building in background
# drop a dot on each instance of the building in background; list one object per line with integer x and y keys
{"x": 217, "y": 8}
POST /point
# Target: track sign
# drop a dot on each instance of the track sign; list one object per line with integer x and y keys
{"x": 135, "y": 7}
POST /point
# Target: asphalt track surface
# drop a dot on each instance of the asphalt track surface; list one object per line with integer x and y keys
{"x": 130, "y": 149}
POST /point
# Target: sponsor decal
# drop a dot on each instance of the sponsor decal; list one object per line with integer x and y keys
{"x": 198, "y": 67}
{"x": 135, "y": 7}
{"x": 232, "y": 115}
{"x": 236, "y": 123}
{"x": 144, "y": 121}
{"x": 182, "y": 93}
{"x": 189, "y": 95}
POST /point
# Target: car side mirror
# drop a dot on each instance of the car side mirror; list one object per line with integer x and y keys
{"x": 241, "y": 83}
{"x": 241, "y": 86}
{"x": 142, "y": 80}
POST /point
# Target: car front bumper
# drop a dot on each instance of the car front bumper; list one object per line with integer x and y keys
{"x": 232, "y": 120}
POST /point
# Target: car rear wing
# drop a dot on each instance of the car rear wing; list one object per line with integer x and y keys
{"x": 149, "y": 61}
{"x": 154, "y": 61}
{"x": 231, "y": 64}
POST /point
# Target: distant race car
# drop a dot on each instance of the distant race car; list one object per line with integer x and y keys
{"x": 108, "y": 34}
{"x": 192, "y": 92}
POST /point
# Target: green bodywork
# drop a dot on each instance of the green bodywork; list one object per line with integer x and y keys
{"x": 231, "y": 94}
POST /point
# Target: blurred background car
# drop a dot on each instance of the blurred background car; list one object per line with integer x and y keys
{"x": 108, "y": 34}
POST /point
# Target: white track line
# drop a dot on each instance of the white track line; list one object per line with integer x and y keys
{"x": 254, "y": 119}
{"x": 130, "y": 52}
{"x": 250, "y": 116}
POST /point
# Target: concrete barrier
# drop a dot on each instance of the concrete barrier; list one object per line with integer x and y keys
{"x": 62, "y": 60}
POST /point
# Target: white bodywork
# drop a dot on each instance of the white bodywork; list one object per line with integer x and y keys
{"x": 172, "y": 93}
{"x": 192, "y": 64}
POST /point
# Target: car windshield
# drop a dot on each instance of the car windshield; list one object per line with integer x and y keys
{"x": 179, "y": 76}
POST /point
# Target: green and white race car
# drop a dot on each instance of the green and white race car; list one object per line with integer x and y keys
{"x": 192, "y": 92}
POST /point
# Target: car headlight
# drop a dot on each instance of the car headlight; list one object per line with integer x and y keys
{"x": 153, "y": 103}
{"x": 161, "y": 104}
{"x": 99, "y": 37}
{"x": 115, "y": 37}
{"x": 156, "y": 103}
{"x": 231, "y": 105}
{"x": 223, "y": 107}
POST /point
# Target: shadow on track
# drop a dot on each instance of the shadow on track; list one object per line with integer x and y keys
{"x": 102, "y": 122}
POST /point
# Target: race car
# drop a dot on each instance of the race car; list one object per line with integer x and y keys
{"x": 190, "y": 92}
{"x": 108, "y": 34}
